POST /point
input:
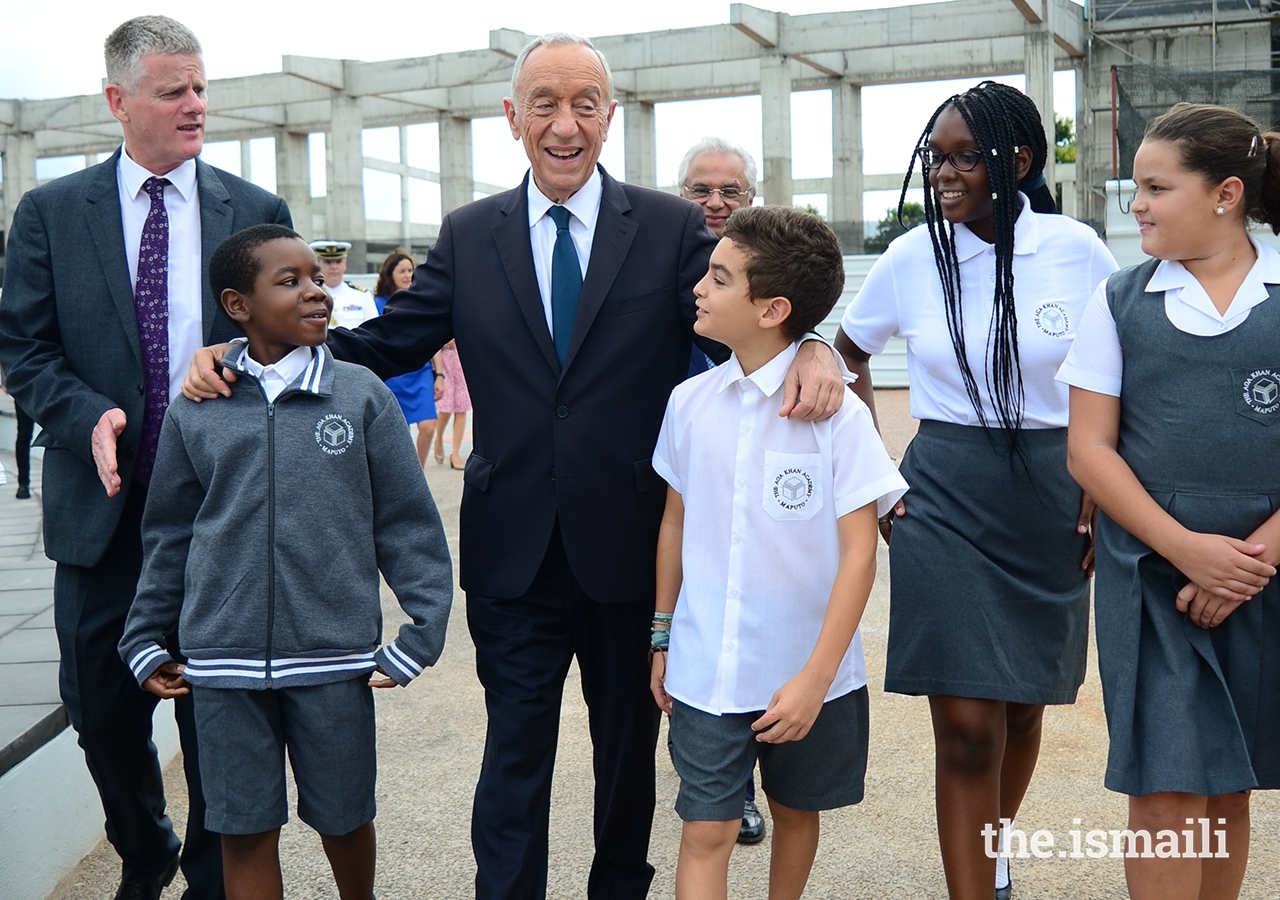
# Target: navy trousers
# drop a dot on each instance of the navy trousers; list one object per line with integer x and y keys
{"x": 112, "y": 717}
{"x": 523, "y": 650}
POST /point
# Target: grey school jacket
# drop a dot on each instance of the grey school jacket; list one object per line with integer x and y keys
{"x": 266, "y": 526}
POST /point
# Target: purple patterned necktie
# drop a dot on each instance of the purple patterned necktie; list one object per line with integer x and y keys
{"x": 151, "y": 296}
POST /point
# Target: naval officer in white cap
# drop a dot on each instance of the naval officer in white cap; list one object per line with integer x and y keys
{"x": 351, "y": 304}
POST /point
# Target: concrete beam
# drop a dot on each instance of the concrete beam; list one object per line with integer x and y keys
{"x": 457, "y": 179}
{"x": 1039, "y": 69}
{"x": 641, "y": 144}
{"x": 761, "y": 25}
{"x": 844, "y": 206}
{"x": 293, "y": 176}
{"x": 1032, "y": 10}
{"x": 508, "y": 42}
{"x": 346, "y": 180}
{"x": 775, "y": 114}
{"x": 328, "y": 73}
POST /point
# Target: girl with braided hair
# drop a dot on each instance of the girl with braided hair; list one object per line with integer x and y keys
{"x": 991, "y": 551}
{"x": 1175, "y": 405}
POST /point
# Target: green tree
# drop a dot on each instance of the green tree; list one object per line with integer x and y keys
{"x": 811, "y": 210}
{"x": 1064, "y": 139}
{"x": 888, "y": 228}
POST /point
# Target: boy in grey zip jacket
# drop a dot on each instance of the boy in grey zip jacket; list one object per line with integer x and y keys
{"x": 269, "y": 518}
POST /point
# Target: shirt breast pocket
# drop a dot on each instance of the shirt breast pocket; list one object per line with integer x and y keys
{"x": 792, "y": 485}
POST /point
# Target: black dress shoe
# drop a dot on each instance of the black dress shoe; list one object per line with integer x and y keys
{"x": 752, "y": 830}
{"x": 150, "y": 889}
{"x": 24, "y": 492}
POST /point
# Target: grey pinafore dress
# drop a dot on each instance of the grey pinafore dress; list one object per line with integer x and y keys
{"x": 1191, "y": 709}
{"x": 987, "y": 596}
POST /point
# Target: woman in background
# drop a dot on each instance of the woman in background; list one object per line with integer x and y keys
{"x": 415, "y": 391}
{"x": 452, "y": 399}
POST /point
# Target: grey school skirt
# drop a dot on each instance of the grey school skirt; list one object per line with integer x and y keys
{"x": 987, "y": 597}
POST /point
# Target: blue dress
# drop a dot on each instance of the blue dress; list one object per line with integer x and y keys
{"x": 416, "y": 390}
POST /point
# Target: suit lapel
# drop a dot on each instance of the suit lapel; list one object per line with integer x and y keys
{"x": 511, "y": 235}
{"x": 614, "y": 235}
{"x": 102, "y": 212}
{"x": 216, "y": 216}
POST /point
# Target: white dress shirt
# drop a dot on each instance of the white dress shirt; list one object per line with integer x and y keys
{"x": 1057, "y": 263}
{"x": 186, "y": 291}
{"x": 1096, "y": 362}
{"x": 584, "y": 209}
{"x": 277, "y": 376}
{"x": 351, "y": 307}
{"x": 761, "y": 548}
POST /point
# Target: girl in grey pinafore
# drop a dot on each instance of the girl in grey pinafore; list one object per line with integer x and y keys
{"x": 1191, "y": 709}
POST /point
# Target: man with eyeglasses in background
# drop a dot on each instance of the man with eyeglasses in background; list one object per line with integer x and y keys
{"x": 721, "y": 177}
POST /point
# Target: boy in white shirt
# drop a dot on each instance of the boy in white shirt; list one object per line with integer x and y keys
{"x": 766, "y": 557}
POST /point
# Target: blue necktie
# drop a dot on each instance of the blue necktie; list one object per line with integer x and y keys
{"x": 566, "y": 282}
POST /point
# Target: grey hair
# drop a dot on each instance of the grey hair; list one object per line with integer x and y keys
{"x": 718, "y": 145}
{"x": 141, "y": 36}
{"x": 560, "y": 39}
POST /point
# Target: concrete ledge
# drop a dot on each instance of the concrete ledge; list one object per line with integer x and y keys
{"x": 25, "y": 729}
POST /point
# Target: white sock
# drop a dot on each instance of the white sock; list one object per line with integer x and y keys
{"x": 1002, "y": 858}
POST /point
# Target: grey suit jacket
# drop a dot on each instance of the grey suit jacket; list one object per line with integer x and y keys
{"x": 69, "y": 341}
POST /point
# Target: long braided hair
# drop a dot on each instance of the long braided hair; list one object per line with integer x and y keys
{"x": 1001, "y": 119}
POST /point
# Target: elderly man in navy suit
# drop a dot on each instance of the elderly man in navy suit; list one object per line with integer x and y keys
{"x": 105, "y": 299}
{"x": 571, "y": 299}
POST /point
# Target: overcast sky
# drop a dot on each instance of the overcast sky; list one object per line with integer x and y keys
{"x": 54, "y": 49}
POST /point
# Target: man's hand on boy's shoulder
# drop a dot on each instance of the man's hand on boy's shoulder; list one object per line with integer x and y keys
{"x": 202, "y": 381}
{"x": 167, "y": 682}
{"x": 385, "y": 681}
{"x": 792, "y": 710}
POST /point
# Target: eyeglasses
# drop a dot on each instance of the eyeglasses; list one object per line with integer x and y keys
{"x": 961, "y": 160}
{"x": 702, "y": 192}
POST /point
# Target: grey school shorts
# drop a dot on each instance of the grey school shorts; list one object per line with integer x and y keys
{"x": 329, "y": 732}
{"x": 714, "y": 757}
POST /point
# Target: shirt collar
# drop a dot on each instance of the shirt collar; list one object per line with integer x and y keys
{"x": 1026, "y": 235}
{"x": 768, "y": 378}
{"x": 584, "y": 205}
{"x": 182, "y": 178}
{"x": 288, "y": 367}
{"x": 1171, "y": 274}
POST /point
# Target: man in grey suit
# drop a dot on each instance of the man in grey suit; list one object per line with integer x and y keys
{"x": 105, "y": 298}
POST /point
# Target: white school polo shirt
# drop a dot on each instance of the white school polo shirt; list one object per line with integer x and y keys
{"x": 1057, "y": 263}
{"x": 760, "y": 551}
{"x": 1096, "y": 363}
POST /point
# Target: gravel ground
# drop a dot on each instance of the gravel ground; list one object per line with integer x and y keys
{"x": 431, "y": 736}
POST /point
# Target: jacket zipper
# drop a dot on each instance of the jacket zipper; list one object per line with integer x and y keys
{"x": 271, "y": 533}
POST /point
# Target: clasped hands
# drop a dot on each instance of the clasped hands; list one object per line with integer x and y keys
{"x": 1224, "y": 573}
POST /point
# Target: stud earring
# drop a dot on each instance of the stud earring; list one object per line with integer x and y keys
{"x": 1220, "y": 210}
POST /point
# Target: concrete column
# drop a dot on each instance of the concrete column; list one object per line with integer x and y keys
{"x": 775, "y": 110}
{"x": 293, "y": 178}
{"x": 19, "y": 172}
{"x": 406, "y": 228}
{"x": 1038, "y": 46}
{"x": 346, "y": 180}
{"x": 641, "y": 147}
{"x": 457, "y": 179}
{"x": 246, "y": 165}
{"x": 844, "y": 206}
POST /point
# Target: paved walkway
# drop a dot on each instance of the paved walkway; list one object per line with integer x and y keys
{"x": 431, "y": 736}
{"x": 30, "y": 711}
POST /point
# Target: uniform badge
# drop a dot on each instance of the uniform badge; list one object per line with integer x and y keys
{"x": 334, "y": 434}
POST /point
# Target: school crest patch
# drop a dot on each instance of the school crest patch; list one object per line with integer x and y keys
{"x": 334, "y": 434}
{"x": 1051, "y": 318}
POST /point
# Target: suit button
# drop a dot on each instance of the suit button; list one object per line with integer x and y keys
{"x": 562, "y": 412}
{"x": 142, "y": 390}
{"x": 553, "y": 474}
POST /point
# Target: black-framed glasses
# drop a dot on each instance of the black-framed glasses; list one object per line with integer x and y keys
{"x": 729, "y": 194}
{"x": 961, "y": 160}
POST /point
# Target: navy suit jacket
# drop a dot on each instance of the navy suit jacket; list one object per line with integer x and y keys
{"x": 572, "y": 443}
{"x": 69, "y": 341}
